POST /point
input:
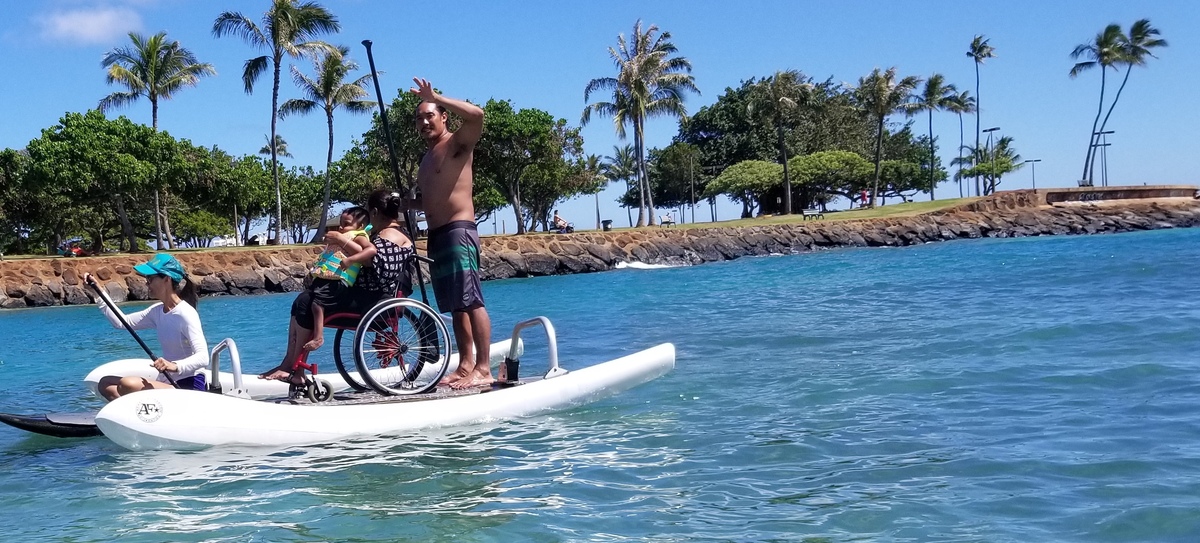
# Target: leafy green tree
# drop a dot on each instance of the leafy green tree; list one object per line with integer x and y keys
{"x": 289, "y": 28}
{"x": 200, "y": 226}
{"x": 746, "y": 182}
{"x": 155, "y": 68}
{"x": 979, "y": 51}
{"x": 15, "y": 214}
{"x": 881, "y": 94}
{"x": 512, "y": 142}
{"x": 770, "y": 100}
{"x": 88, "y": 161}
{"x": 650, "y": 82}
{"x": 329, "y": 91}
{"x": 674, "y": 168}
{"x": 936, "y": 96}
{"x": 842, "y": 173}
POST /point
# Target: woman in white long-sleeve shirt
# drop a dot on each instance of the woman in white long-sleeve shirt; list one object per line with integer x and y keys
{"x": 174, "y": 318}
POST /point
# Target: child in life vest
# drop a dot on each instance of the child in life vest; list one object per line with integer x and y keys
{"x": 332, "y": 276}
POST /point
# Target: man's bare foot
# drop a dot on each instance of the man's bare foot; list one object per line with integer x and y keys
{"x": 452, "y": 378}
{"x": 475, "y": 379}
{"x": 315, "y": 343}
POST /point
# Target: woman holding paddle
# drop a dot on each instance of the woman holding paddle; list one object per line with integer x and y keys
{"x": 174, "y": 318}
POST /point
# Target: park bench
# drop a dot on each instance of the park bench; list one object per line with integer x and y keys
{"x": 667, "y": 221}
{"x": 812, "y": 213}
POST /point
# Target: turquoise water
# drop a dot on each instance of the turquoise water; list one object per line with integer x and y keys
{"x": 1039, "y": 389}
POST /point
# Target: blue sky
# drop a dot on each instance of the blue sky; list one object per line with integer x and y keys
{"x": 542, "y": 53}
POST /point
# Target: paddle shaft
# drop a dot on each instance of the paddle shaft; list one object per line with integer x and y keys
{"x": 409, "y": 217}
{"x": 121, "y": 317}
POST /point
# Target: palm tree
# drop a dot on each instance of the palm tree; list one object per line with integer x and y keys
{"x": 621, "y": 165}
{"x": 649, "y": 83}
{"x": 156, "y": 68}
{"x": 1105, "y": 51}
{"x": 979, "y": 51}
{"x": 959, "y": 104}
{"x": 329, "y": 91}
{"x": 1135, "y": 48}
{"x": 771, "y": 99}
{"x": 287, "y": 28}
{"x": 881, "y": 95}
{"x": 937, "y": 95}
{"x": 280, "y": 148}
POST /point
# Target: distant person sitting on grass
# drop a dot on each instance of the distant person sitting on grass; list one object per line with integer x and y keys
{"x": 333, "y": 275}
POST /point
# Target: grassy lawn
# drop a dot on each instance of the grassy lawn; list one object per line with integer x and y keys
{"x": 890, "y": 210}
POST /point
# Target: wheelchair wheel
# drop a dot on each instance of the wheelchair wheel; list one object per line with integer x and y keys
{"x": 402, "y": 347}
{"x": 343, "y": 358}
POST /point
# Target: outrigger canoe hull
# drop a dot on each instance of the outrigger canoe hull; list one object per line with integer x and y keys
{"x": 185, "y": 420}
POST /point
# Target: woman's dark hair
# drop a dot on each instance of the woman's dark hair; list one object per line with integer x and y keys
{"x": 358, "y": 214}
{"x": 387, "y": 202}
{"x": 190, "y": 292}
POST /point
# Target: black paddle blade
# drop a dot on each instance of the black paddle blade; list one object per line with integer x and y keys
{"x": 54, "y": 424}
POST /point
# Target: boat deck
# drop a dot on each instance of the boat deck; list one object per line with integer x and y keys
{"x": 351, "y": 397}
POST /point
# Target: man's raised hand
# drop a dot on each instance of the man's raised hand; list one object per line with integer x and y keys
{"x": 424, "y": 90}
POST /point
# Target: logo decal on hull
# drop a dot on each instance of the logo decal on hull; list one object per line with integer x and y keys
{"x": 149, "y": 411}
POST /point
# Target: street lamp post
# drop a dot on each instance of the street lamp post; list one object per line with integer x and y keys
{"x": 1102, "y": 144}
{"x": 1033, "y": 166}
{"x": 991, "y": 162}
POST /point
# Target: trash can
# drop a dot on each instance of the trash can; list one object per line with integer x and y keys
{"x": 606, "y": 225}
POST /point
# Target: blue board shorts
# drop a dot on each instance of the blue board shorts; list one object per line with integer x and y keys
{"x": 195, "y": 382}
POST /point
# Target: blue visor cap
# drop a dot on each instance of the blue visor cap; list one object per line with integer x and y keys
{"x": 162, "y": 263}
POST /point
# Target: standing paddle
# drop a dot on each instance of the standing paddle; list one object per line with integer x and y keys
{"x": 121, "y": 317}
{"x": 409, "y": 216}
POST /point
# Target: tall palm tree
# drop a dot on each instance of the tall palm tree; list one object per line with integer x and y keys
{"x": 621, "y": 165}
{"x": 650, "y": 82}
{"x": 938, "y": 95}
{"x": 771, "y": 99}
{"x": 287, "y": 28}
{"x": 1105, "y": 51}
{"x": 328, "y": 91}
{"x": 880, "y": 94}
{"x": 153, "y": 67}
{"x": 979, "y": 51}
{"x": 1135, "y": 48}
{"x": 961, "y": 103}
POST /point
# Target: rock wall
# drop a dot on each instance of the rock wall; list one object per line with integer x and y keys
{"x": 240, "y": 271}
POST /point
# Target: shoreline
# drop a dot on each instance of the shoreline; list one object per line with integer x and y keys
{"x": 1023, "y": 213}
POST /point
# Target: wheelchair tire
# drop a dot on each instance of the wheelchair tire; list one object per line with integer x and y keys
{"x": 343, "y": 358}
{"x": 402, "y": 347}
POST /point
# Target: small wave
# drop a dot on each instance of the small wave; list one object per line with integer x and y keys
{"x": 644, "y": 266}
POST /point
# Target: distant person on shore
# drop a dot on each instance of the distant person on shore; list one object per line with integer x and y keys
{"x": 174, "y": 319}
{"x": 445, "y": 179}
{"x": 864, "y": 197}
{"x": 334, "y": 273}
{"x": 384, "y": 273}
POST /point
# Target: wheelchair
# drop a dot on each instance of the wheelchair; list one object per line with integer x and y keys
{"x": 400, "y": 346}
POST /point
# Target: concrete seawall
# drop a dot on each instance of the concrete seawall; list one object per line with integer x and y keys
{"x": 58, "y": 281}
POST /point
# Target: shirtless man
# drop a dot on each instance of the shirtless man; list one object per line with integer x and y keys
{"x": 445, "y": 179}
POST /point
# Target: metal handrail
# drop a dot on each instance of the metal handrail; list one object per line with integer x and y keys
{"x": 551, "y": 337}
{"x": 235, "y": 361}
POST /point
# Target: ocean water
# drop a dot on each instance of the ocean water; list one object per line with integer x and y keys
{"x": 1037, "y": 389}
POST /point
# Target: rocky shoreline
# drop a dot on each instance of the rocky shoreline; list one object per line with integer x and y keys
{"x": 58, "y": 281}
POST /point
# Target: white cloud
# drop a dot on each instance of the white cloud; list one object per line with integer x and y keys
{"x": 89, "y": 26}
